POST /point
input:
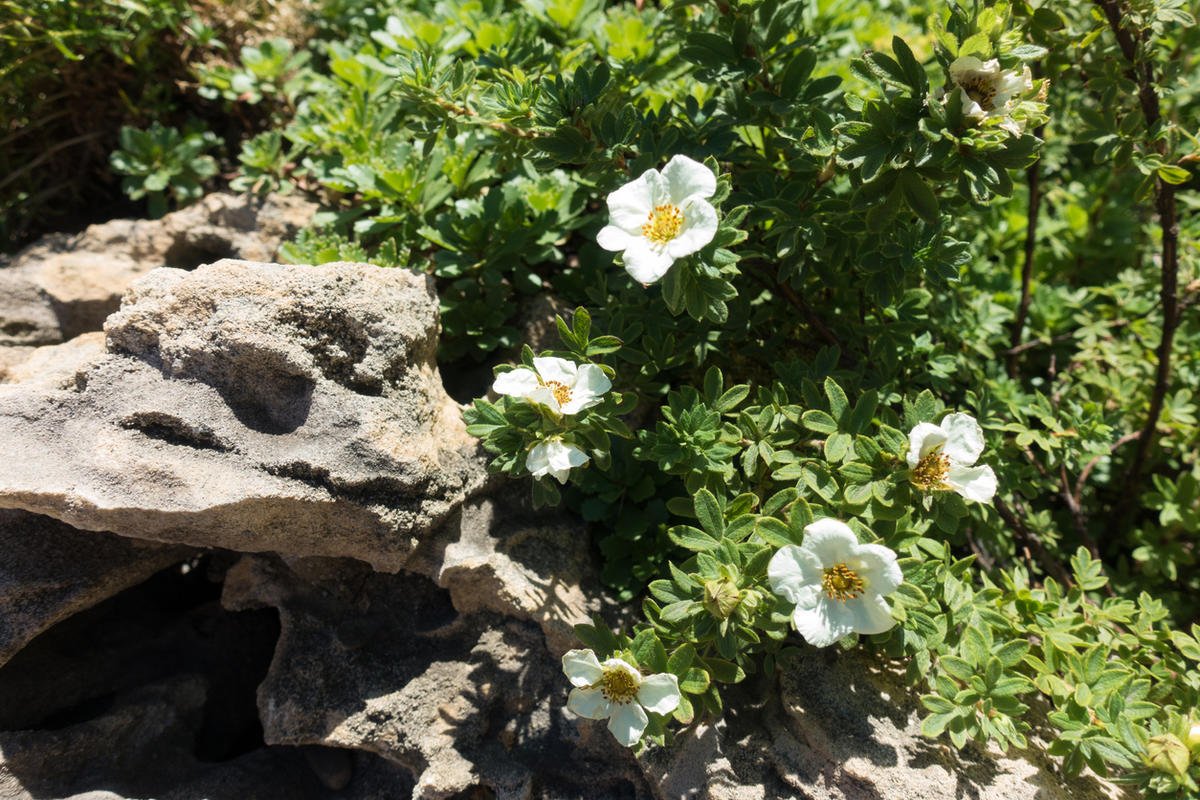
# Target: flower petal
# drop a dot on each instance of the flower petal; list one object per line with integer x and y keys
{"x": 686, "y": 177}
{"x": 659, "y": 693}
{"x": 877, "y": 566}
{"x": 537, "y": 461}
{"x": 630, "y": 206}
{"x": 517, "y": 382}
{"x": 589, "y": 703}
{"x": 699, "y": 227}
{"x": 791, "y": 570}
{"x": 824, "y": 623}
{"x": 592, "y": 380}
{"x": 830, "y": 541}
{"x": 590, "y": 383}
{"x": 922, "y": 439}
{"x": 556, "y": 369}
{"x": 973, "y": 483}
{"x": 645, "y": 264}
{"x": 565, "y": 456}
{"x": 581, "y": 667}
{"x": 970, "y": 108}
{"x": 964, "y": 439}
{"x": 962, "y": 66}
{"x": 613, "y": 238}
{"x": 627, "y": 723}
{"x": 871, "y": 614}
{"x": 544, "y": 395}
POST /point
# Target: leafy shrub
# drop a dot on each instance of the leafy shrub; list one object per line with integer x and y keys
{"x": 161, "y": 160}
{"x": 944, "y": 302}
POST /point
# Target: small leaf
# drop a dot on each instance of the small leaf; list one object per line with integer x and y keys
{"x": 709, "y": 513}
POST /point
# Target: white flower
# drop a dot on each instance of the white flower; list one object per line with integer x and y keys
{"x": 942, "y": 457}
{"x": 554, "y": 457}
{"x": 1194, "y": 737}
{"x": 563, "y": 386}
{"x": 987, "y": 90}
{"x": 616, "y": 691}
{"x": 660, "y": 217}
{"x": 836, "y": 583}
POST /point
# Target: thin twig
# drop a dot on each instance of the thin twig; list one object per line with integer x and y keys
{"x": 1087, "y": 469}
{"x": 801, "y": 305}
{"x": 1050, "y": 565}
{"x": 1033, "y": 179}
{"x": 1164, "y": 202}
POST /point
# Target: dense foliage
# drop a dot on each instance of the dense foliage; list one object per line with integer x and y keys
{"x": 895, "y": 247}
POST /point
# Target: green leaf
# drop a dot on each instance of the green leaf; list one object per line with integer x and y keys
{"x": 838, "y": 404}
{"x": 819, "y": 421}
{"x": 708, "y": 511}
{"x": 937, "y": 704}
{"x": 681, "y": 659}
{"x": 598, "y": 638}
{"x": 724, "y": 671}
{"x": 694, "y": 681}
{"x": 692, "y": 538}
{"x": 919, "y": 196}
{"x": 1174, "y": 175}
{"x": 649, "y": 651}
{"x": 774, "y": 532}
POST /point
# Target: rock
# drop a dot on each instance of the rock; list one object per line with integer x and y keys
{"x": 496, "y": 557}
{"x": 65, "y": 285}
{"x": 385, "y": 663}
{"x": 253, "y": 407}
{"x": 53, "y": 366}
{"x": 142, "y": 749}
{"x": 840, "y": 726}
{"x": 51, "y": 571}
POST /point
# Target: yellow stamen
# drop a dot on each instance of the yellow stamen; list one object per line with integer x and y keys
{"x": 931, "y": 471}
{"x": 664, "y": 223}
{"x": 617, "y": 686}
{"x": 842, "y": 583}
{"x": 562, "y": 392}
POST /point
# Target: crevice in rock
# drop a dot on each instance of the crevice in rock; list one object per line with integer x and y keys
{"x": 170, "y": 626}
{"x": 189, "y": 253}
{"x": 173, "y": 430}
{"x": 381, "y": 490}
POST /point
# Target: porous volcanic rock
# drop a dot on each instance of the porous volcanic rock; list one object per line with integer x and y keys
{"x": 67, "y": 284}
{"x": 50, "y": 571}
{"x": 253, "y": 407}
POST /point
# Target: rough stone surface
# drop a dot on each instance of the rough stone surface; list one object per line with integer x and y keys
{"x": 842, "y": 727}
{"x": 385, "y": 663}
{"x": 67, "y": 284}
{"x": 53, "y": 366}
{"x": 253, "y": 407}
{"x": 494, "y": 556}
{"x": 50, "y": 571}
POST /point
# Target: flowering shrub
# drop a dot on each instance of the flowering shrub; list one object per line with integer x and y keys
{"x": 880, "y": 341}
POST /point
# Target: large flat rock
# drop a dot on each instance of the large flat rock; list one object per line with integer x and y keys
{"x": 253, "y": 407}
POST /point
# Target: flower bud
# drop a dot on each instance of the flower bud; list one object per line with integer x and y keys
{"x": 1166, "y": 753}
{"x": 721, "y": 597}
{"x": 1194, "y": 737}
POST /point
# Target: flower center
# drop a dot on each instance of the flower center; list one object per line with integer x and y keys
{"x": 664, "y": 224}
{"x": 561, "y": 392}
{"x": 842, "y": 583}
{"x": 618, "y": 686}
{"x": 931, "y": 471}
{"x": 982, "y": 91}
